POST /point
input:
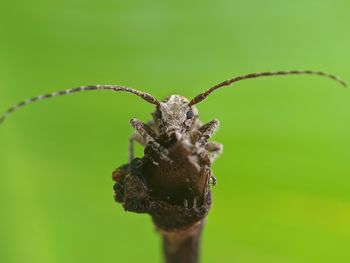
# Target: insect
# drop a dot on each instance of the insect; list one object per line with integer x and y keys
{"x": 171, "y": 182}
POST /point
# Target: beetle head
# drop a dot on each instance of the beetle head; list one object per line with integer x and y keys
{"x": 175, "y": 114}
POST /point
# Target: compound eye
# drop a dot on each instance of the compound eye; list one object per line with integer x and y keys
{"x": 190, "y": 114}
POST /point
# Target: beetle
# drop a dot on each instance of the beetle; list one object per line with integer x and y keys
{"x": 171, "y": 182}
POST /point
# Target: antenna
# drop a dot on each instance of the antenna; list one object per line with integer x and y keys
{"x": 205, "y": 94}
{"x": 147, "y": 97}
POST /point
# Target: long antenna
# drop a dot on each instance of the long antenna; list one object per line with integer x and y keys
{"x": 147, "y": 97}
{"x": 205, "y": 94}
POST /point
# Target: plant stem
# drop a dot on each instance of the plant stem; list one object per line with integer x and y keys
{"x": 182, "y": 246}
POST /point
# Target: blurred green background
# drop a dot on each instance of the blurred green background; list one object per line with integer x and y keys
{"x": 283, "y": 180}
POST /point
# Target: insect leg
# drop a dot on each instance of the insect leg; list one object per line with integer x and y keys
{"x": 149, "y": 136}
{"x": 207, "y": 131}
{"x": 143, "y": 130}
{"x": 209, "y": 128}
{"x": 214, "y": 149}
{"x": 138, "y": 138}
{"x": 213, "y": 180}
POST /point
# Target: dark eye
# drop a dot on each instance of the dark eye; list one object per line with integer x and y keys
{"x": 190, "y": 114}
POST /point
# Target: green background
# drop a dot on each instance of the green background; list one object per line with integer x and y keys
{"x": 283, "y": 180}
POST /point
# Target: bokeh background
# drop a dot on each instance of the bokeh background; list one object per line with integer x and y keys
{"x": 283, "y": 180}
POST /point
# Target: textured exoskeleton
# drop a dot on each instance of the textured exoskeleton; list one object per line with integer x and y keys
{"x": 175, "y": 172}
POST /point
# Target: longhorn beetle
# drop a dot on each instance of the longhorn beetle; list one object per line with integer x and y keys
{"x": 171, "y": 182}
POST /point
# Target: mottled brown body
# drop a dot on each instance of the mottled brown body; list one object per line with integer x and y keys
{"x": 185, "y": 179}
{"x": 176, "y": 195}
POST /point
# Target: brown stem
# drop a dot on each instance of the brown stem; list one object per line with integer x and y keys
{"x": 182, "y": 246}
